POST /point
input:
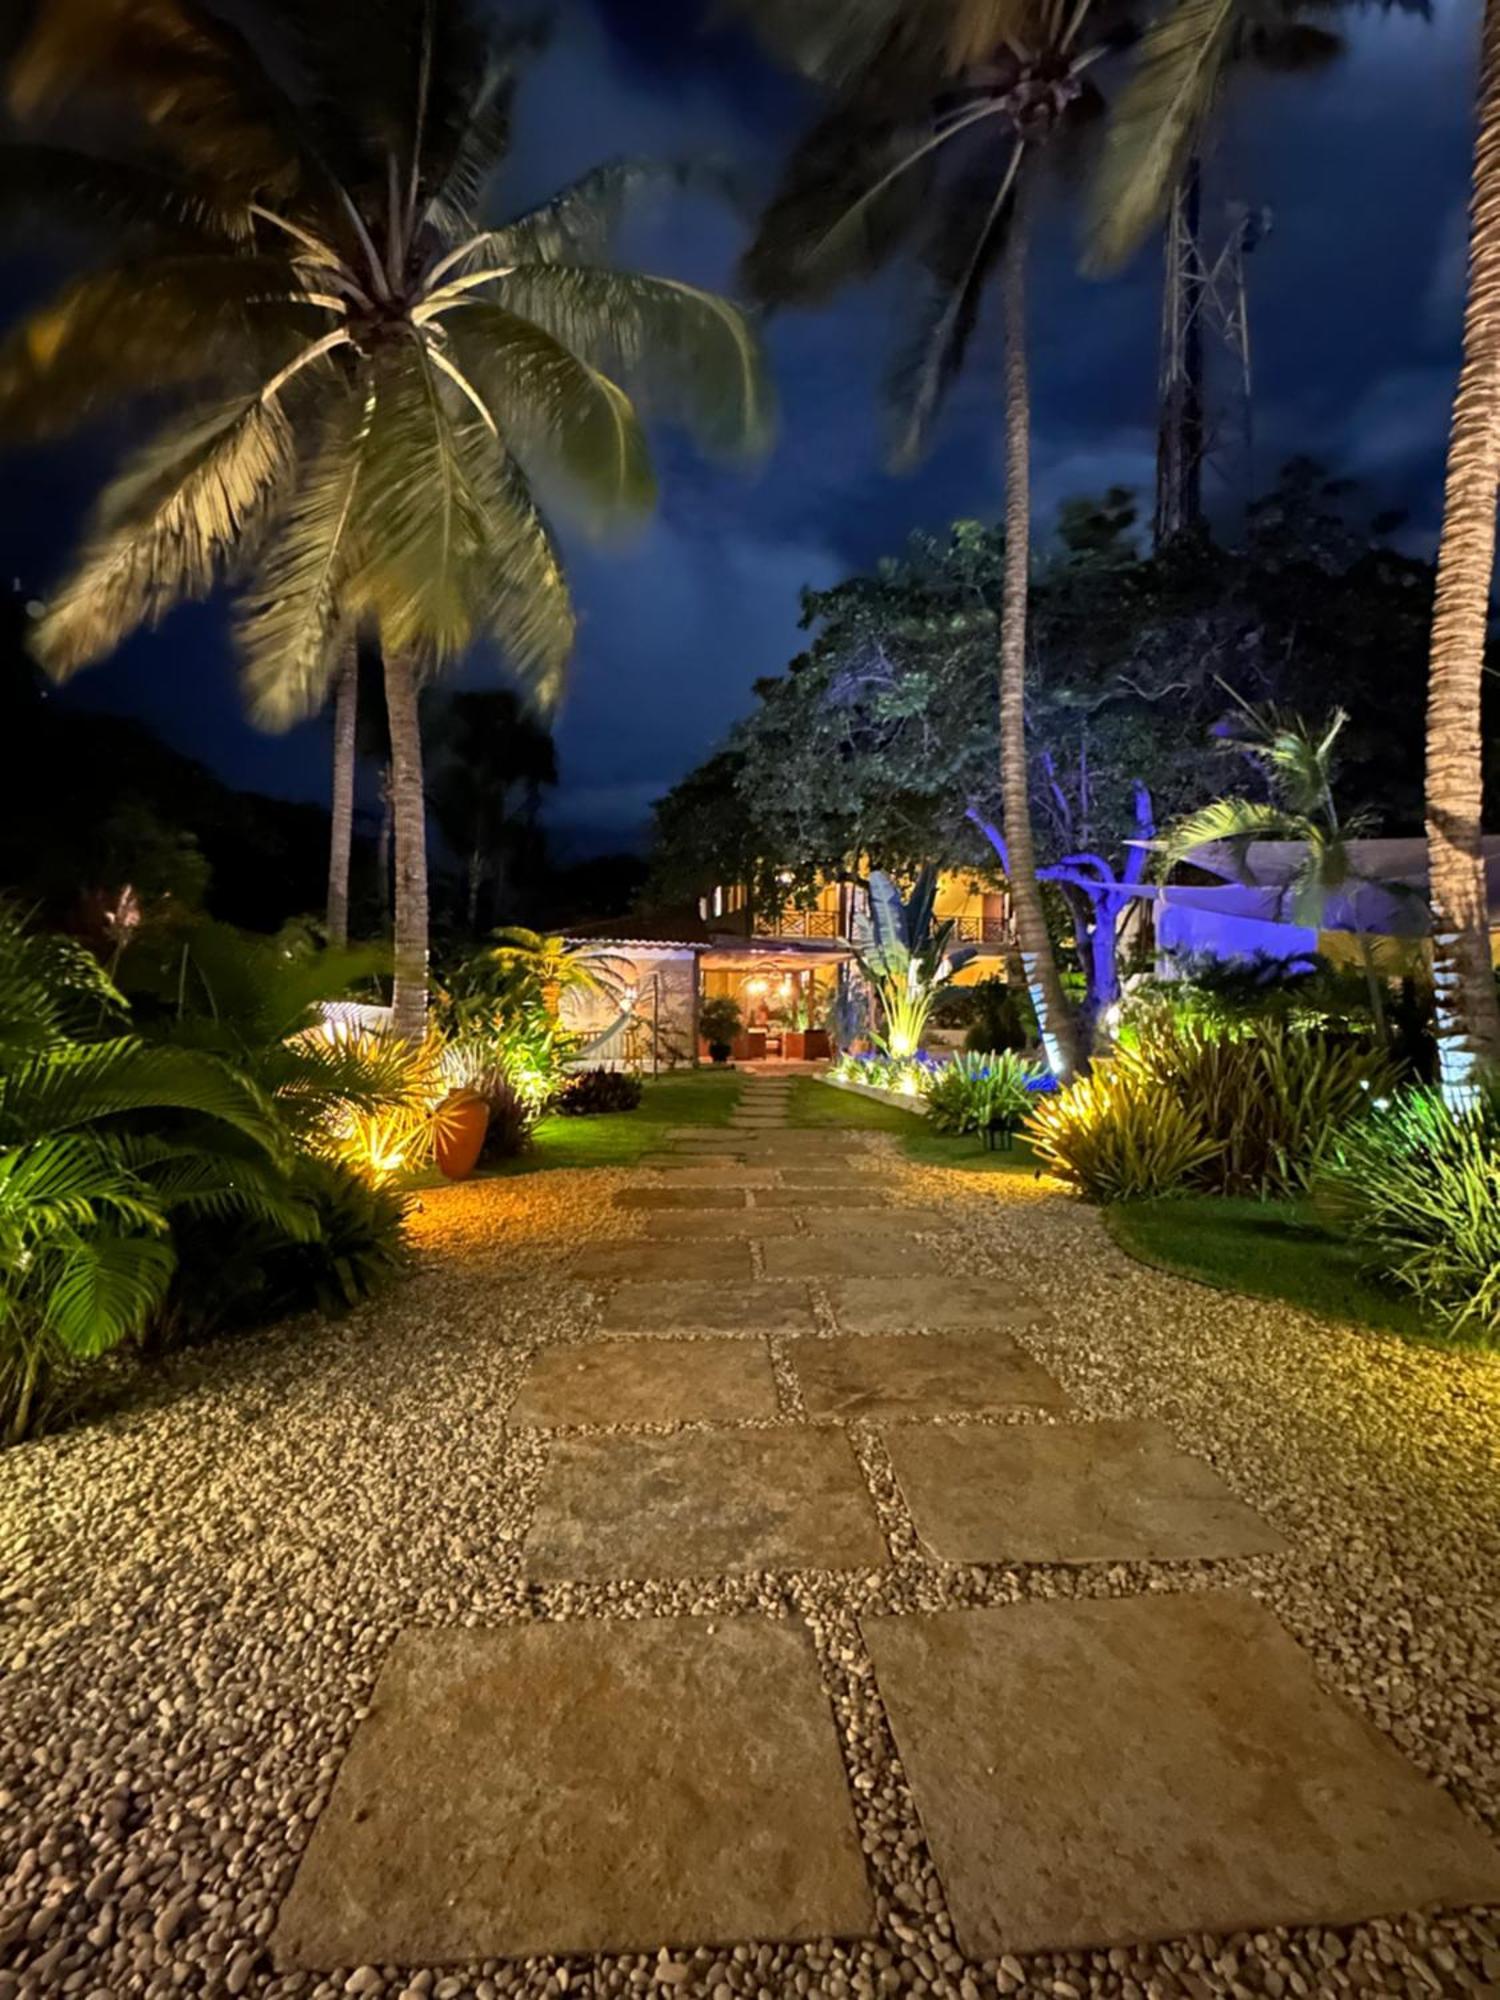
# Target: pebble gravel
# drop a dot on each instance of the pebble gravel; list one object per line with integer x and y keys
{"x": 197, "y": 1592}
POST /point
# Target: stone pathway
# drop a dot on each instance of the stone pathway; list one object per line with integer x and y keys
{"x": 998, "y": 1671}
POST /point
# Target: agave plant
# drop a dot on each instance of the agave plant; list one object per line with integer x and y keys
{"x": 911, "y": 955}
{"x": 364, "y": 377}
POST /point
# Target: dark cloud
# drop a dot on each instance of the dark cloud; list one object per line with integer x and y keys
{"x": 1355, "y": 300}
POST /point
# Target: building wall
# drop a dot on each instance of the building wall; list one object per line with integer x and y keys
{"x": 662, "y": 1030}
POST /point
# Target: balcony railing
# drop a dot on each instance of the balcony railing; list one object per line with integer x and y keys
{"x": 981, "y": 930}
{"x": 799, "y": 924}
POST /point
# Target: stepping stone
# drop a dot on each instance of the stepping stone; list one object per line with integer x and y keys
{"x": 648, "y": 1382}
{"x": 862, "y": 1194}
{"x": 583, "y": 1785}
{"x": 807, "y": 1145}
{"x": 638, "y": 1259}
{"x": 1069, "y": 1493}
{"x": 685, "y": 1161}
{"x": 681, "y": 1197}
{"x": 689, "y": 1225}
{"x": 1107, "y": 1771}
{"x": 920, "y": 1375}
{"x": 887, "y": 1305}
{"x": 841, "y": 1173}
{"x": 833, "y": 1257}
{"x": 708, "y": 1308}
{"x": 882, "y": 1221}
{"x": 728, "y": 1173}
{"x": 702, "y": 1503}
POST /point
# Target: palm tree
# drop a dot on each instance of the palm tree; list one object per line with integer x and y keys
{"x": 365, "y": 377}
{"x": 494, "y": 761}
{"x": 1298, "y": 762}
{"x": 1468, "y": 1018}
{"x": 341, "y": 813}
{"x": 943, "y": 115}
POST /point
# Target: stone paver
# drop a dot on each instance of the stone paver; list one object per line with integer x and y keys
{"x": 843, "y": 1173}
{"x": 702, "y": 1503}
{"x": 1099, "y": 1772}
{"x": 885, "y": 1221}
{"x": 1069, "y": 1493}
{"x": 717, "y": 1257}
{"x": 835, "y": 1257}
{"x": 691, "y": 1225}
{"x": 647, "y": 1382}
{"x": 716, "y": 1173}
{"x": 708, "y": 1308}
{"x": 920, "y": 1375}
{"x": 895, "y": 1305}
{"x": 862, "y": 1193}
{"x": 681, "y": 1197}
{"x": 583, "y": 1786}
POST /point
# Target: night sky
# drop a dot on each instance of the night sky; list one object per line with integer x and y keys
{"x": 1356, "y": 303}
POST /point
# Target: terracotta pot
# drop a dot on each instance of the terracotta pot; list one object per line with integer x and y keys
{"x": 460, "y": 1125}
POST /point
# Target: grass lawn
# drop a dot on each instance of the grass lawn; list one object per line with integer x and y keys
{"x": 1270, "y": 1249}
{"x": 619, "y": 1138}
{"x": 815, "y": 1104}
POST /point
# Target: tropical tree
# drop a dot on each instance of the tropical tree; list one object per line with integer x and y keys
{"x": 1298, "y": 762}
{"x": 912, "y": 953}
{"x": 1468, "y": 1017}
{"x": 365, "y": 378}
{"x": 494, "y": 760}
{"x": 341, "y": 794}
{"x": 942, "y": 116}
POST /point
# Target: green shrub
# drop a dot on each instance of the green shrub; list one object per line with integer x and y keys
{"x": 598, "y": 1091}
{"x": 1417, "y": 1187}
{"x": 719, "y": 1021}
{"x": 1266, "y": 1102}
{"x": 979, "y": 1093}
{"x": 1115, "y": 1135}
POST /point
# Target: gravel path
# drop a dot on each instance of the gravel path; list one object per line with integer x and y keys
{"x": 197, "y": 1593}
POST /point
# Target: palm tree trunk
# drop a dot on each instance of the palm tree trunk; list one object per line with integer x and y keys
{"x": 1059, "y": 1036}
{"x": 341, "y": 818}
{"x": 409, "y": 811}
{"x": 1468, "y": 1018}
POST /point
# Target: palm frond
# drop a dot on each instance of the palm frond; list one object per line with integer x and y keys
{"x": 68, "y": 1181}
{"x": 288, "y": 620}
{"x": 1156, "y": 123}
{"x": 418, "y": 523}
{"x": 62, "y": 1091}
{"x": 578, "y": 224}
{"x": 137, "y": 328}
{"x": 684, "y": 352}
{"x": 523, "y": 599}
{"x": 105, "y": 1289}
{"x": 192, "y": 78}
{"x": 967, "y": 245}
{"x": 50, "y": 987}
{"x": 1233, "y": 823}
{"x": 186, "y": 1180}
{"x": 165, "y": 529}
{"x": 60, "y": 184}
{"x": 545, "y": 400}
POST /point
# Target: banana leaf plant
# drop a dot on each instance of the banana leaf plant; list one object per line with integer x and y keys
{"x": 911, "y": 956}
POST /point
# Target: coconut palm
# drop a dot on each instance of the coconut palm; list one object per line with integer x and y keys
{"x": 1298, "y": 762}
{"x": 942, "y": 118}
{"x": 1468, "y": 1019}
{"x": 341, "y": 794}
{"x": 364, "y": 378}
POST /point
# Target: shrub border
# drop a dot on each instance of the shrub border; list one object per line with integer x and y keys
{"x": 902, "y": 1100}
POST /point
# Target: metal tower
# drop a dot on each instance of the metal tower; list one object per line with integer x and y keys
{"x": 1204, "y": 300}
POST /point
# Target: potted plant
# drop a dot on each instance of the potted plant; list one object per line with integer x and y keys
{"x": 802, "y": 1041}
{"x": 719, "y": 1024}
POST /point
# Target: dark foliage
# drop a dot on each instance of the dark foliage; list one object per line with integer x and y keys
{"x": 598, "y": 1091}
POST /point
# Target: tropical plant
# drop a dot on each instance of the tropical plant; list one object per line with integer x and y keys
{"x": 104, "y": 1144}
{"x": 912, "y": 955}
{"x": 597, "y": 1091}
{"x": 364, "y": 378}
{"x": 1002, "y": 1017}
{"x": 1264, "y": 1103}
{"x": 341, "y": 790}
{"x": 1298, "y": 762}
{"x": 1115, "y": 1135}
{"x": 981, "y": 1093}
{"x": 1468, "y": 1017}
{"x": 719, "y": 1023}
{"x": 1417, "y": 1187}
